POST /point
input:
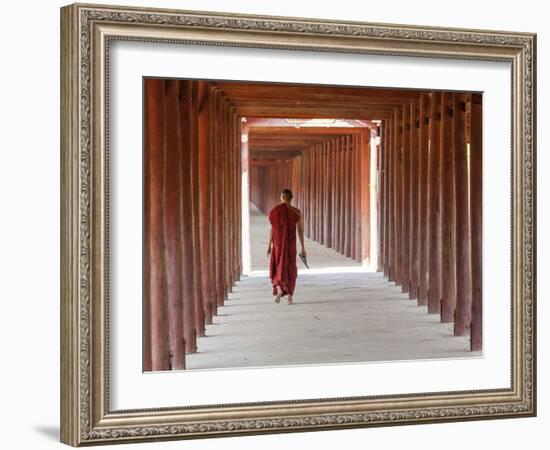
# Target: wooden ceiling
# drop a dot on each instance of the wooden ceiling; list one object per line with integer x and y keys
{"x": 259, "y": 100}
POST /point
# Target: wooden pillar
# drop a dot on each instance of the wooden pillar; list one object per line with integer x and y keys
{"x": 325, "y": 194}
{"x": 380, "y": 197}
{"x": 336, "y": 187}
{"x": 146, "y": 267}
{"x": 405, "y": 199}
{"x": 339, "y": 176}
{"x": 342, "y": 194}
{"x": 212, "y": 199}
{"x": 398, "y": 196}
{"x": 389, "y": 268}
{"x": 434, "y": 205}
{"x": 313, "y": 198}
{"x": 476, "y": 196}
{"x": 321, "y": 199}
{"x": 365, "y": 194}
{"x": 382, "y": 177}
{"x": 414, "y": 196}
{"x": 226, "y": 198}
{"x": 187, "y": 273}
{"x": 334, "y": 195}
{"x": 463, "y": 237}
{"x": 352, "y": 195}
{"x": 307, "y": 206}
{"x": 358, "y": 199}
{"x": 423, "y": 174}
{"x": 205, "y": 200}
{"x": 156, "y": 302}
{"x": 347, "y": 202}
{"x": 329, "y": 194}
{"x": 317, "y": 181}
{"x": 239, "y": 194}
{"x": 448, "y": 279}
{"x": 194, "y": 207}
{"x": 218, "y": 202}
{"x": 172, "y": 222}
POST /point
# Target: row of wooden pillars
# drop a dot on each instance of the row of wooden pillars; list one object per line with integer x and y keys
{"x": 430, "y": 194}
{"x": 429, "y": 207}
{"x": 192, "y": 203}
{"x": 331, "y": 186}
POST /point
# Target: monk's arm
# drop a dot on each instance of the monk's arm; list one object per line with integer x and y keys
{"x": 270, "y": 240}
{"x": 301, "y": 235}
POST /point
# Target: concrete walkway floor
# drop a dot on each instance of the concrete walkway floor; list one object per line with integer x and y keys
{"x": 341, "y": 313}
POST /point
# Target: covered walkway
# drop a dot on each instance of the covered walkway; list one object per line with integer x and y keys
{"x": 342, "y": 312}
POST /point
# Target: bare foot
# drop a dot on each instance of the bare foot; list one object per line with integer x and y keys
{"x": 289, "y": 301}
{"x": 279, "y": 294}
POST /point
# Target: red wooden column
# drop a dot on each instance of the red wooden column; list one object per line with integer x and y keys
{"x": 146, "y": 267}
{"x": 347, "y": 202}
{"x": 230, "y": 192}
{"x": 389, "y": 268}
{"x": 476, "y": 191}
{"x": 337, "y": 197}
{"x": 352, "y": 208}
{"x": 463, "y": 237}
{"x": 205, "y": 210}
{"x": 321, "y": 197}
{"x": 218, "y": 201}
{"x": 212, "y": 199}
{"x": 414, "y": 196}
{"x": 434, "y": 205}
{"x": 340, "y": 193}
{"x": 380, "y": 197}
{"x": 423, "y": 176}
{"x": 312, "y": 196}
{"x": 382, "y": 191}
{"x": 238, "y": 176}
{"x": 316, "y": 181}
{"x": 343, "y": 206}
{"x": 322, "y": 192}
{"x": 226, "y": 196}
{"x": 358, "y": 198}
{"x": 329, "y": 194}
{"x": 310, "y": 180}
{"x": 325, "y": 194}
{"x": 187, "y": 274}
{"x": 194, "y": 206}
{"x": 317, "y": 178}
{"x": 398, "y": 196}
{"x": 365, "y": 194}
{"x": 172, "y": 222}
{"x": 448, "y": 279}
{"x": 405, "y": 200}
{"x": 333, "y": 184}
{"x": 353, "y": 196}
{"x": 156, "y": 302}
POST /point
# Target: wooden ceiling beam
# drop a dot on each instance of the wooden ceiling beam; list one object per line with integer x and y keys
{"x": 304, "y": 130}
{"x": 315, "y": 113}
{"x": 285, "y": 90}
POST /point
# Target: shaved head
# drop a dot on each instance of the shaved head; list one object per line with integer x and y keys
{"x": 286, "y": 194}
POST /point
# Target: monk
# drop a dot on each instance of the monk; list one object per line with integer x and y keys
{"x": 281, "y": 247}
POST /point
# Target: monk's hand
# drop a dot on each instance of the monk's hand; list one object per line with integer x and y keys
{"x": 303, "y": 252}
{"x": 269, "y": 250}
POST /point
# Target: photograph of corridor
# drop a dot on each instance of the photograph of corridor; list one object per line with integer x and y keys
{"x": 379, "y": 189}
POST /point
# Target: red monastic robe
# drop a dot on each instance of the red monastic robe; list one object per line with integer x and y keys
{"x": 282, "y": 268}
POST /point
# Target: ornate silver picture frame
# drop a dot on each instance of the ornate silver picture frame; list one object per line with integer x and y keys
{"x": 87, "y": 31}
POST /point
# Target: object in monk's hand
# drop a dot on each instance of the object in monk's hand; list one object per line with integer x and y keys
{"x": 304, "y": 259}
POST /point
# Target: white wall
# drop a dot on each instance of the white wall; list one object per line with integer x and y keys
{"x": 29, "y": 237}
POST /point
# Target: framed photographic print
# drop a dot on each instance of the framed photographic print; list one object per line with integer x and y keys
{"x": 276, "y": 224}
